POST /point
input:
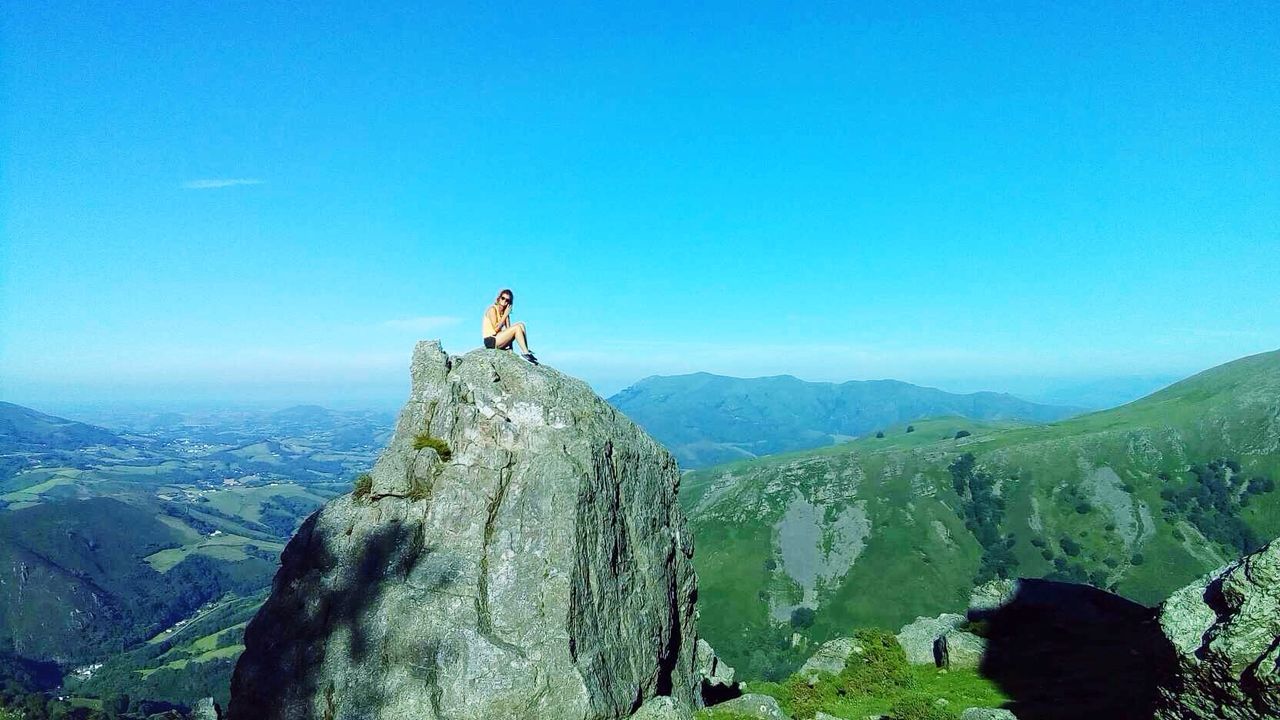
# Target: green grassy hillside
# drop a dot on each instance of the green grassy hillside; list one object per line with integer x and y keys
{"x": 190, "y": 660}
{"x": 74, "y": 583}
{"x": 1142, "y": 499}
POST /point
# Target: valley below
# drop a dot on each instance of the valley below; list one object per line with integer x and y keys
{"x": 131, "y": 559}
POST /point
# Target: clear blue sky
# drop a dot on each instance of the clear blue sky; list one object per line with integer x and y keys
{"x": 255, "y": 199}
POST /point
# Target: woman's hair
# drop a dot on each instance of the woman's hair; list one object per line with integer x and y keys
{"x": 507, "y": 291}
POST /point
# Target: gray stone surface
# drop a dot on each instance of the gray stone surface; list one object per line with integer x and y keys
{"x": 754, "y": 706}
{"x": 987, "y": 714}
{"x": 206, "y": 709}
{"x": 918, "y": 636}
{"x": 992, "y": 595}
{"x": 829, "y": 658}
{"x": 541, "y": 571}
{"x": 964, "y": 650}
{"x": 663, "y": 707}
{"x": 713, "y": 672}
{"x": 1225, "y": 630}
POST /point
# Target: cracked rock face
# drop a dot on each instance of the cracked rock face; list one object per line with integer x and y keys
{"x": 540, "y": 569}
{"x": 1225, "y": 629}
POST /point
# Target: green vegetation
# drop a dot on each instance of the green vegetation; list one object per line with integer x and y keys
{"x": 184, "y": 663}
{"x": 877, "y": 681}
{"x": 918, "y": 707}
{"x": 425, "y": 440}
{"x": 1212, "y": 498}
{"x": 983, "y": 511}
{"x": 152, "y": 539}
{"x": 803, "y": 617}
{"x": 902, "y": 526}
{"x": 363, "y": 486}
{"x": 420, "y": 488}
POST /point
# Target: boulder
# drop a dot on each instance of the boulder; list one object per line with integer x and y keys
{"x": 918, "y": 637}
{"x": 663, "y": 707}
{"x": 206, "y": 709}
{"x": 829, "y": 658}
{"x": 993, "y": 595}
{"x": 520, "y": 553}
{"x": 1225, "y": 632}
{"x": 715, "y": 675}
{"x": 958, "y": 649}
{"x": 987, "y": 714}
{"x": 752, "y": 705}
{"x": 939, "y": 641}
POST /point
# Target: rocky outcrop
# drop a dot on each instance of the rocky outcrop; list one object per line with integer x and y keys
{"x": 942, "y": 642}
{"x": 519, "y": 553}
{"x": 1225, "y": 630}
{"x": 206, "y": 709}
{"x": 663, "y": 707}
{"x": 753, "y": 705}
{"x": 919, "y": 638}
{"x": 829, "y": 658}
{"x": 715, "y": 676}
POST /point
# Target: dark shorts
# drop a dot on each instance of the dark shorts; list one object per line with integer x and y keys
{"x": 491, "y": 342}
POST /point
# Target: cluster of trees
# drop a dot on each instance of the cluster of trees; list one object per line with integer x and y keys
{"x": 37, "y": 706}
{"x": 25, "y": 688}
{"x": 1211, "y": 499}
{"x": 20, "y": 683}
{"x": 283, "y": 514}
{"x": 983, "y": 512}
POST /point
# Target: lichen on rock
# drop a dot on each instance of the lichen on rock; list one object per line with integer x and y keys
{"x": 1225, "y": 630}
{"x": 541, "y": 568}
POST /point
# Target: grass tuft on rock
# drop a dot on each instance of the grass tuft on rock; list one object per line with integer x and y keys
{"x": 363, "y": 486}
{"x": 426, "y": 440}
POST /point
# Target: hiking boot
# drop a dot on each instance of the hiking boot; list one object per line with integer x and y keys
{"x": 530, "y": 358}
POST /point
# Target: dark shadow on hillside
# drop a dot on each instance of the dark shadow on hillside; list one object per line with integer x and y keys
{"x": 1063, "y": 651}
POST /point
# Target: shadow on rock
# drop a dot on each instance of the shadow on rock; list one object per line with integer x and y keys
{"x": 286, "y": 642}
{"x": 1063, "y": 651}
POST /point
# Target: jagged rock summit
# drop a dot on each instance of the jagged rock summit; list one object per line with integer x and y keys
{"x": 1225, "y": 629}
{"x": 519, "y": 553}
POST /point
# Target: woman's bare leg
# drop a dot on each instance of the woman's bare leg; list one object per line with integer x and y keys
{"x": 515, "y": 332}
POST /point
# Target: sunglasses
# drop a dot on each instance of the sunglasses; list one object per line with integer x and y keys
{"x": 504, "y": 297}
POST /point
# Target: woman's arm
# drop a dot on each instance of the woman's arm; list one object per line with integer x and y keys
{"x": 491, "y": 324}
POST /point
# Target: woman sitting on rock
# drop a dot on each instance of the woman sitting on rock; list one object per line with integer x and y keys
{"x": 498, "y": 330}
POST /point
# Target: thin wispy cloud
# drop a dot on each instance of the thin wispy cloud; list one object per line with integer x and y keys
{"x": 422, "y": 324}
{"x": 212, "y": 183}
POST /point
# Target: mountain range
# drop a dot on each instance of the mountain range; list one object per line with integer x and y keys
{"x": 795, "y": 548}
{"x": 25, "y": 430}
{"x": 706, "y": 419}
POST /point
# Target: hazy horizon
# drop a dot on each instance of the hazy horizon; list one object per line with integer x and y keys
{"x": 1074, "y": 391}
